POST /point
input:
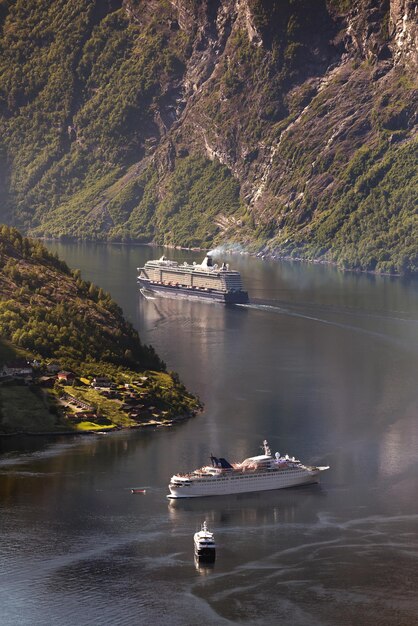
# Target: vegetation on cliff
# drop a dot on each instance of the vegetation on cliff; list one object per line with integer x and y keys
{"x": 286, "y": 125}
{"x": 49, "y": 312}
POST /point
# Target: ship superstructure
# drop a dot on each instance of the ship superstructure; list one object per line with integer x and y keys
{"x": 205, "y": 281}
{"x": 257, "y": 473}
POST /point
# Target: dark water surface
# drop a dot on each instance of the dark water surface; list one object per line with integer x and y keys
{"x": 324, "y": 365}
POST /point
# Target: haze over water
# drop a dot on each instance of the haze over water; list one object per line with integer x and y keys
{"x": 321, "y": 363}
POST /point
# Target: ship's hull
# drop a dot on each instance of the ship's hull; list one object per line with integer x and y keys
{"x": 237, "y": 482}
{"x": 177, "y": 291}
{"x": 205, "y": 554}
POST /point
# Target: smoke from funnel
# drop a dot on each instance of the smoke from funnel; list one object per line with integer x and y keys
{"x": 232, "y": 248}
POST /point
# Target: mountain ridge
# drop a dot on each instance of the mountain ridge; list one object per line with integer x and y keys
{"x": 287, "y": 127}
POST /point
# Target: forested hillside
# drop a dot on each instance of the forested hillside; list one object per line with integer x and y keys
{"x": 281, "y": 125}
{"x": 51, "y": 311}
{"x": 48, "y": 313}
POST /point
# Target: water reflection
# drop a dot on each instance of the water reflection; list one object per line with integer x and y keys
{"x": 204, "y": 568}
{"x": 324, "y": 368}
{"x": 250, "y": 509}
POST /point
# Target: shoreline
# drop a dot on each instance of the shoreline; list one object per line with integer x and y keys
{"x": 105, "y": 431}
{"x": 229, "y": 249}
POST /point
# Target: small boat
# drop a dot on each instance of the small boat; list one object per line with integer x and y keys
{"x": 138, "y": 491}
{"x": 204, "y": 544}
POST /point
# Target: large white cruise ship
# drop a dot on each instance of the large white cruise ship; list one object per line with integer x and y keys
{"x": 204, "y": 281}
{"x": 257, "y": 473}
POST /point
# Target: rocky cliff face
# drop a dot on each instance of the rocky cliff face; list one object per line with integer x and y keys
{"x": 287, "y": 125}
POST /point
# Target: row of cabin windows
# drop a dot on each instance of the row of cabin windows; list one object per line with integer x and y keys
{"x": 247, "y": 477}
{"x": 198, "y": 281}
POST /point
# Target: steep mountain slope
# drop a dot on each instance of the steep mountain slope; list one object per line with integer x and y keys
{"x": 287, "y": 125}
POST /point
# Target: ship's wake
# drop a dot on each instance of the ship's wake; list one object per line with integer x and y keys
{"x": 282, "y": 310}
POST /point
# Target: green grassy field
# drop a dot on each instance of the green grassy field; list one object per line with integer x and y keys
{"x": 109, "y": 408}
{"x": 92, "y": 426}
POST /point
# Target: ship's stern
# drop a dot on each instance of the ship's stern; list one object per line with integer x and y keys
{"x": 236, "y": 297}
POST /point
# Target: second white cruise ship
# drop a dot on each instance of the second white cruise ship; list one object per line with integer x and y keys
{"x": 257, "y": 473}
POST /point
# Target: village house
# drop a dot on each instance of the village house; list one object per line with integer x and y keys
{"x": 101, "y": 381}
{"x": 67, "y": 378}
{"x": 86, "y": 416}
{"x": 76, "y": 402}
{"x": 141, "y": 381}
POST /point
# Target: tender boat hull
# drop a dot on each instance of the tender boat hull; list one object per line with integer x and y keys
{"x": 205, "y": 554}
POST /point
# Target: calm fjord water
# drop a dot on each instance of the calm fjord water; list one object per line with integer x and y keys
{"x": 324, "y": 365}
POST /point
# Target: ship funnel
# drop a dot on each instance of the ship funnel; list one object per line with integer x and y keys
{"x": 266, "y": 447}
{"x": 207, "y": 261}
